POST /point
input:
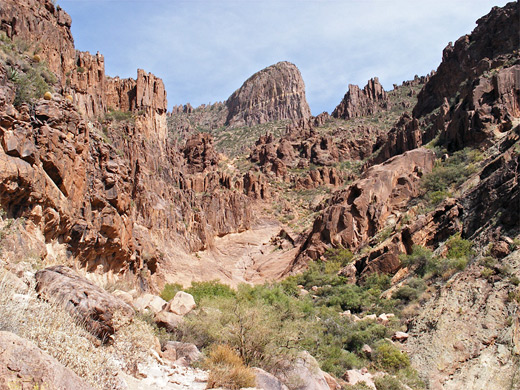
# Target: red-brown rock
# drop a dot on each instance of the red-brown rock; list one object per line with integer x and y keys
{"x": 356, "y": 103}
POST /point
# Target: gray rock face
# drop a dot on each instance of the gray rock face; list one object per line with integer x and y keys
{"x": 102, "y": 312}
{"x": 276, "y": 92}
{"x": 480, "y": 354}
{"x": 24, "y": 365}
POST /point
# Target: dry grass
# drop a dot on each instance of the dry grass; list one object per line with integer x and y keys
{"x": 228, "y": 370}
{"x": 55, "y": 331}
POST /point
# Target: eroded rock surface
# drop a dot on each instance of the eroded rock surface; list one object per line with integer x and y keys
{"x": 276, "y": 92}
{"x": 102, "y": 312}
{"x": 359, "y": 212}
{"x": 362, "y": 102}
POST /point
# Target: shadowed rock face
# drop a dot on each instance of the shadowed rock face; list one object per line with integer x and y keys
{"x": 276, "y": 92}
{"x": 473, "y": 95}
{"x": 362, "y": 102}
{"x": 496, "y": 34}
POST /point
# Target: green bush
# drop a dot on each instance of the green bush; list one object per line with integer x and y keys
{"x": 411, "y": 291}
{"x": 212, "y": 288}
{"x": 31, "y": 85}
{"x": 459, "y": 248}
{"x": 450, "y": 173}
{"x": 119, "y": 116}
{"x": 390, "y": 358}
{"x": 388, "y": 382}
{"x": 364, "y": 332}
{"x": 169, "y": 291}
{"x": 421, "y": 258}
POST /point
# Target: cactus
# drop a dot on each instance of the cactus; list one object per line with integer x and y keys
{"x": 47, "y": 96}
{"x": 37, "y": 58}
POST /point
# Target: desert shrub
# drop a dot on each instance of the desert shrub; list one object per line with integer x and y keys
{"x": 380, "y": 282}
{"x": 31, "y": 85}
{"x": 226, "y": 369}
{"x": 421, "y": 258}
{"x": 119, "y": 116}
{"x": 450, "y": 173}
{"x": 169, "y": 291}
{"x": 459, "y": 248}
{"x": 340, "y": 256}
{"x": 346, "y": 297}
{"x": 388, "y": 382}
{"x": 390, "y": 358}
{"x": 338, "y": 360}
{"x": 212, "y": 288}
{"x": 411, "y": 291}
{"x": 364, "y": 332}
{"x": 436, "y": 197}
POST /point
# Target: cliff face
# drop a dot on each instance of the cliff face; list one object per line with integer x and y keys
{"x": 276, "y": 92}
{"x": 118, "y": 193}
{"x": 474, "y": 94}
{"x": 362, "y": 102}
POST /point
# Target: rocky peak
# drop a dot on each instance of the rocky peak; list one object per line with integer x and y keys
{"x": 276, "y": 92}
{"x": 496, "y": 34}
{"x": 357, "y": 102}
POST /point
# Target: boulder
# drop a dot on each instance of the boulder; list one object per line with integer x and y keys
{"x": 304, "y": 374}
{"x": 175, "y": 350}
{"x": 353, "y": 377}
{"x": 125, "y": 296}
{"x": 181, "y": 304}
{"x": 357, "y": 213}
{"x": 25, "y": 366}
{"x": 149, "y": 302}
{"x": 167, "y": 320}
{"x": 400, "y": 336}
{"x": 102, "y": 312}
{"x": 266, "y": 381}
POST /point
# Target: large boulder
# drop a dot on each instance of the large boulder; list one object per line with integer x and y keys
{"x": 149, "y": 302}
{"x": 304, "y": 374}
{"x": 176, "y": 351}
{"x": 24, "y": 366}
{"x": 266, "y": 381}
{"x": 181, "y": 304}
{"x": 102, "y": 312}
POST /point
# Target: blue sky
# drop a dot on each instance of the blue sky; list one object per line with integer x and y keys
{"x": 205, "y": 49}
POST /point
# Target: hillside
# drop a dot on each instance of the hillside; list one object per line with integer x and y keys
{"x": 294, "y": 251}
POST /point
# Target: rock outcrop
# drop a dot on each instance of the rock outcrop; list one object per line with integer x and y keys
{"x": 102, "y": 312}
{"x": 359, "y": 212}
{"x": 474, "y": 95}
{"x": 356, "y": 103}
{"x": 276, "y": 92}
{"x": 23, "y": 365}
{"x": 481, "y": 353}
